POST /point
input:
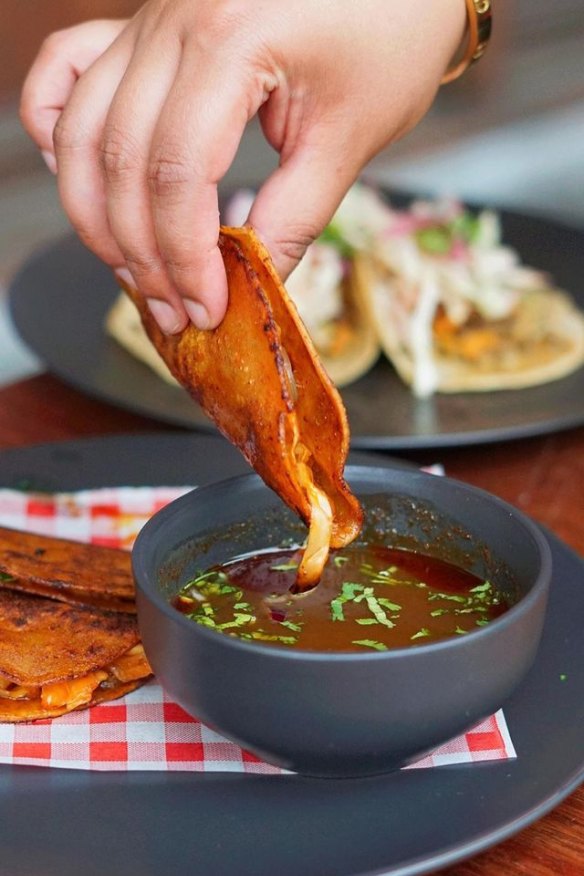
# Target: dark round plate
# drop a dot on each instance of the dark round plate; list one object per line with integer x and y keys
{"x": 60, "y": 298}
{"x": 221, "y": 824}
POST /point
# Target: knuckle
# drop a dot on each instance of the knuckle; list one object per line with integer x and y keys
{"x": 294, "y": 242}
{"x": 142, "y": 265}
{"x": 168, "y": 173}
{"x": 53, "y": 44}
{"x": 119, "y": 155}
{"x": 68, "y": 134}
{"x": 222, "y": 20}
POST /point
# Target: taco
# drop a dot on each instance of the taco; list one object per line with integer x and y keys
{"x": 56, "y": 657}
{"x": 67, "y": 570}
{"x": 456, "y": 311}
{"x": 259, "y": 378}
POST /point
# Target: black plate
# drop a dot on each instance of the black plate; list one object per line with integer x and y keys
{"x": 63, "y": 822}
{"x": 60, "y": 298}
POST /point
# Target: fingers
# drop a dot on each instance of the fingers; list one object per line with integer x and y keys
{"x": 164, "y": 152}
{"x": 125, "y": 154}
{"x": 77, "y": 139}
{"x": 195, "y": 141}
{"x": 63, "y": 57}
{"x": 299, "y": 199}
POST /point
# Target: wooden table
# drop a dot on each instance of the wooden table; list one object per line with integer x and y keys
{"x": 543, "y": 476}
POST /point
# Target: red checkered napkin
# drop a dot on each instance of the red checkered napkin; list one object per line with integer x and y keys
{"x": 145, "y": 730}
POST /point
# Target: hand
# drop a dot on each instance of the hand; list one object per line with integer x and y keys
{"x": 146, "y": 117}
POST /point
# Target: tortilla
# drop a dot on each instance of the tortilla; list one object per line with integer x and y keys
{"x": 67, "y": 570}
{"x": 354, "y": 346}
{"x": 123, "y": 323}
{"x": 541, "y": 341}
{"x": 259, "y": 378}
{"x": 350, "y": 351}
{"x": 56, "y": 657}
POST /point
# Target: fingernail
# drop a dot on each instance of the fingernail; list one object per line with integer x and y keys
{"x": 198, "y": 313}
{"x": 165, "y": 315}
{"x": 124, "y": 275}
{"x": 50, "y": 160}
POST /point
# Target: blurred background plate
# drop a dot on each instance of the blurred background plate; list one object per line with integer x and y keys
{"x": 60, "y": 297}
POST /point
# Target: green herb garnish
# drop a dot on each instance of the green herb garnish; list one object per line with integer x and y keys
{"x": 370, "y": 643}
{"x": 435, "y": 239}
{"x": 285, "y": 567}
{"x": 421, "y": 634}
{"x": 332, "y": 236}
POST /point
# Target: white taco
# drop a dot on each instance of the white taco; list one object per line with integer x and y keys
{"x": 456, "y": 311}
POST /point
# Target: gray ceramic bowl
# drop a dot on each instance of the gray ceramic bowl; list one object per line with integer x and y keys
{"x": 342, "y": 714}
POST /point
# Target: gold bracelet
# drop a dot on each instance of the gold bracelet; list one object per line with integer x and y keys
{"x": 480, "y": 19}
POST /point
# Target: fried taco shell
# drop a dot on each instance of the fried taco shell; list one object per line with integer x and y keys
{"x": 56, "y": 657}
{"x": 348, "y": 346}
{"x": 259, "y": 378}
{"x": 66, "y": 570}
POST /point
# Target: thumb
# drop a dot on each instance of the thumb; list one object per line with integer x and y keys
{"x": 297, "y": 201}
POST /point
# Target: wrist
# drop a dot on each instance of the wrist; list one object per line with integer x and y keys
{"x": 475, "y": 40}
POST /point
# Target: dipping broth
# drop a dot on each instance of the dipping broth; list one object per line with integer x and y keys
{"x": 370, "y": 598}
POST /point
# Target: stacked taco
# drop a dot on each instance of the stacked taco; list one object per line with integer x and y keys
{"x": 75, "y": 645}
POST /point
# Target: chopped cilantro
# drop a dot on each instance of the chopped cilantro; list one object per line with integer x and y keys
{"x": 333, "y": 237}
{"x": 285, "y": 567}
{"x": 337, "y": 613}
{"x": 260, "y": 636}
{"x": 481, "y": 588}
{"x": 421, "y": 634}
{"x": 387, "y": 603}
{"x": 450, "y": 597}
{"x": 370, "y": 643}
{"x": 378, "y": 612}
{"x": 290, "y": 625}
{"x": 434, "y": 239}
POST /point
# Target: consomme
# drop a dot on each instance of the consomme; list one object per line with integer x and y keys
{"x": 370, "y": 598}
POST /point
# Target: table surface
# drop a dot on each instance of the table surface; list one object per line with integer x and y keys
{"x": 542, "y": 476}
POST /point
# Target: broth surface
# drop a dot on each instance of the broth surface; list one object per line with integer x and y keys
{"x": 370, "y": 597}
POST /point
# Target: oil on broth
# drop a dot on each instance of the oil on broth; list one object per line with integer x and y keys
{"x": 369, "y": 598}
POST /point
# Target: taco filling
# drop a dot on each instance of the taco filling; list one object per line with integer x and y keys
{"x": 455, "y": 310}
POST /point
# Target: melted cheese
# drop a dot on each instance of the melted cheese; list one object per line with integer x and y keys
{"x": 73, "y": 693}
{"x": 321, "y": 522}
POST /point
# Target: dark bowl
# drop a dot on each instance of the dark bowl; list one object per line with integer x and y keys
{"x": 342, "y": 714}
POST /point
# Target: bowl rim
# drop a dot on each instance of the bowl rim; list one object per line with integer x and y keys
{"x": 421, "y": 651}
